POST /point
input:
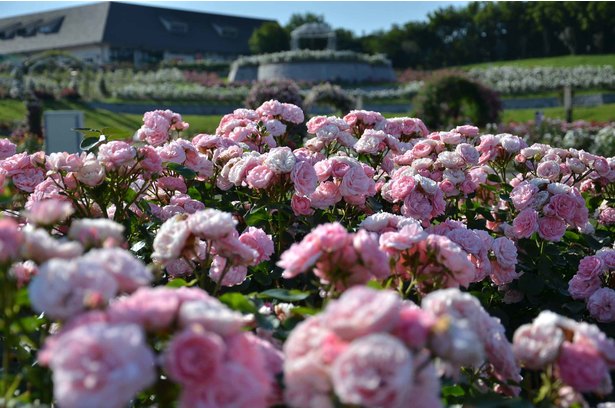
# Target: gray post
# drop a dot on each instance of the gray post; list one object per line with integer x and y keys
{"x": 568, "y": 102}
{"x": 59, "y": 133}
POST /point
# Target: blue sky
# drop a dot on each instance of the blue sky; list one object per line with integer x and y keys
{"x": 362, "y": 17}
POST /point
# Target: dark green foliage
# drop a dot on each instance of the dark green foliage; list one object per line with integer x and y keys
{"x": 454, "y": 100}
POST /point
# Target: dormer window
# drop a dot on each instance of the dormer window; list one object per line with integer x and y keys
{"x": 9, "y": 32}
{"x": 173, "y": 25}
{"x": 29, "y": 30}
{"x": 226, "y": 31}
{"x": 52, "y": 26}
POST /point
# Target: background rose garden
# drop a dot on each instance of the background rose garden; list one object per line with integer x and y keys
{"x": 372, "y": 263}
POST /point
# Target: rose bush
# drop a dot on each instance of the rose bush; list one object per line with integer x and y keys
{"x": 376, "y": 264}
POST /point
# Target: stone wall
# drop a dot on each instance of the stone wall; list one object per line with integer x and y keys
{"x": 317, "y": 71}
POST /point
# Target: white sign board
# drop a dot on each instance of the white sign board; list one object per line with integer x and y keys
{"x": 59, "y": 133}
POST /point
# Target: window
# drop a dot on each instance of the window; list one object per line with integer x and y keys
{"x": 121, "y": 55}
{"x": 51, "y": 26}
{"x": 8, "y": 32}
{"x": 226, "y": 31}
{"x": 29, "y": 30}
{"x": 173, "y": 25}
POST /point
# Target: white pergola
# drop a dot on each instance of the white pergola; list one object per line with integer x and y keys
{"x": 310, "y": 31}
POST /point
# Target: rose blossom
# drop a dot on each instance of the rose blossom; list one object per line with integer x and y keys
{"x": 361, "y": 311}
{"x": 49, "y": 212}
{"x": 98, "y": 231}
{"x": 129, "y": 272}
{"x": 64, "y": 288}
{"x": 259, "y": 177}
{"x": 304, "y": 178}
{"x": 374, "y": 371}
{"x": 171, "y": 239}
{"x": 10, "y": 239}
{"x": 581, "y": 366}
{"x": 551, "y": 228}
{"x": 525, "y": 223}
{"x": 193, "y": 356}
{"x": 535, "y": 346}
{"x": 7, "y": 148}
{"x": 91, "y": 173}
{"x": 522, "y": 195}
{"x": 301, "y": 205}
{"x": 505, "y": 252}
{"x": 601, "y": 305}
{"x": 116, "y": 154}
{"x": 211, "y": 224}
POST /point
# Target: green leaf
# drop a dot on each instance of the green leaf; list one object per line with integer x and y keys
{"x": 183, "y": 171}
{"x": 114, "y": 133}
{"x": 89, "y": 143}
{"x": 493, "y": 177}
{"x": 177, "y": 283}
{"x": 285, "y": 295}
{"x": 130, "y": 195}
{"x": 304, "y": 311}
{"x": 237, "y": 301}
{"x": 194, "y": 193}
{"x": 453, "y": 391}
{"x": 256, "y": 217}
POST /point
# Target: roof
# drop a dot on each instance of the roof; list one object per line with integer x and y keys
{"x": 128, "y": 25}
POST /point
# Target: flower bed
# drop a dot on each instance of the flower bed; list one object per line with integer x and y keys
{"x": 375, "y": 263}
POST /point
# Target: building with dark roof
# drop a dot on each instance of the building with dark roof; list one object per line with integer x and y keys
{"x": 120, "y": 32}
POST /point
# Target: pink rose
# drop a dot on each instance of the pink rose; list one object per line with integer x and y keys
{"x": 49, "y": 212}
{"x": 194, "y": 356}
{"x": 7, "y": 148}
{"x": 601, "y": 305}
{"x": 28, "y": 178}
{"x": 551, "y": 228}
{"x": 582, "y": 367}
{"x": 304, "y": 178}
{"x": 65, "y": 288}
{"x": 535, "y": 346}
{"x": 234, "y": 275}
{"x": 327, "y": 194}
{"x": 211, "y": 224}
{"x": 356, "y": 183}
{"x": 374, "y": 379}
{"x": 91, "y": 173}
{"x": 129, "y": 272}
{"x": 564, "y": 206}
{"x": 525, "y": 223}
{"x": 11, "y": 240}
{"x": 582, "y": 288}
{"x": 116, "y": 154}
{"x": 505, "y": 252}
{"x": 301, "y": 205}
{"x": 361, "y": 311}
{"x": 171, "y": 239}
{"x": 258, "y": 240}
{"x": 259, "y": 177}
{"x": 101, "y": 365}
{"x": 590, "y": 267}
{"x": 523, "y": 195}
{"x": 414, "y": 326}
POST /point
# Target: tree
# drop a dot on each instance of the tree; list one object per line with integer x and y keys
{"x": 269, "y": 37}
{"x": 298, "y": 19}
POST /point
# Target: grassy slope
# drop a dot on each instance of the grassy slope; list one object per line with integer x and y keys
{"x": 563, "y": 61}
{"x": 11, "y": 110}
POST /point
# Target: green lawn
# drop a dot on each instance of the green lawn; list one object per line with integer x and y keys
{"x": 563, "y": 61}
{"x": 602, "y": 113}
{"x": 12, "y": 110}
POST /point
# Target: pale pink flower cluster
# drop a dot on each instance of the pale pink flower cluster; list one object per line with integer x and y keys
{"x": 501, "y": 147}
{"x": 25, "y": 171}
{"x": 605, "y": 214}
{"x": 211, "y": 233}
{"x": 286, "y": 112}
{"x": 179, "y": 204}
{"x": 116, "y": 155}
{"x": 328, "y": 130}
{"x": 209, "y": 354}
{"x": 581, "y": 353}
{"x": 405, "y": 128}
{"x": 11, "y": 239}
{"x": 360, "y": 120}
{"x": 421, "y": 196}
{"x": 587, "y": 284}
{"x": 337, "y": 257}
{"x": 49, "y": 212}
{"x": 7, "y": 149}
{"x": 434, "y": 261}
{"x": 342, "y": 178}
{"x": 158, "y": 125}
{"x": 489, "y": 344}
{"x": 181, "y": 151}
{"x": 97, "y": 232}
{"x": 368, "y": 348}
{"x": 493, "y": 257}
{"x": 63, "y": 288}
{"x": 547, "y": 208}
{"x": 568, "y": 166}
{"x": 376, "y": 142}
